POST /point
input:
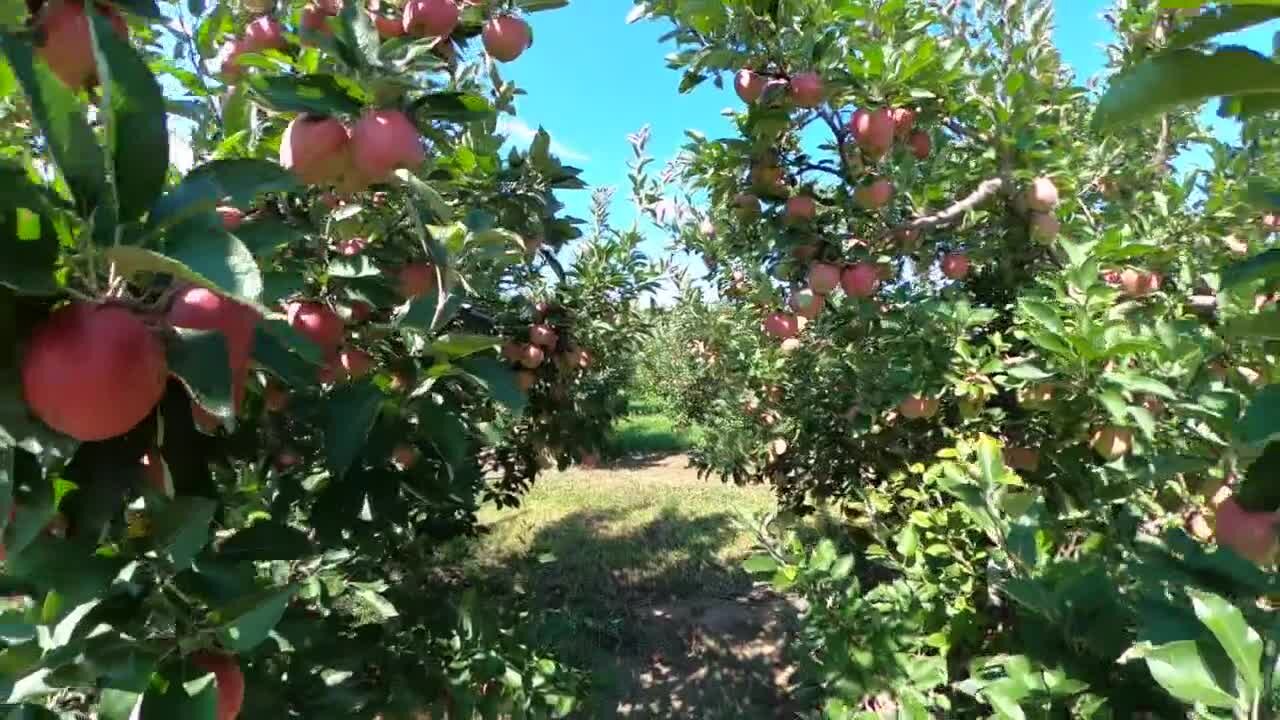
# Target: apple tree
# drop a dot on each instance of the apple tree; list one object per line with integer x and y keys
{"x": 277, "y": 319}
{"x": 1018, "y": 336}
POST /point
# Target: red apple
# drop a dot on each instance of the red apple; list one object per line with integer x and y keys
{"x": 315, "y": 149}
{"x": 405, "y": 456}
{"x": 388, "y": 26}
{"x": 1044, "y": 226}
{"x": 860, "y": 280}
{"x": 955, "y": 265}
{"x": 360, "y": 311}
{"x": 228, "y": 678}
{"x": 64, "y": 43}
{"x": 315, "y": 18}
{"x": 93, "y": 371}
{"x": 921, "y": 144}
{"x": 317, "y": 322}
{"x": 431, "y": 18}
{"x": 807, "y": 303}
{"x": 749, "y": 85}
{"x": 383, "y": 141}
{"x": 356, "y": 363}
{"x": 198, "y": 308}
{"x": 1042, "y": 196}
{"x": 824, "y": 278}
{"x": 1251, "y": 534}
{"x": 1027, "y": 459}
{"x": 264, "y": 33}
{"x": 417, "y": 280}
{"x": 531, "y": 356}
{"x": 918, "y": 406}
{"x": 801, "y": 208}
{"x": 543, "y": 335}
{"x": 231, "y": 217}
{"x": 873, "y": 131}
{"x": 807, "y": 89}
{"x": 506, "y": 38}
{"x": 352, "y": 246}
{"x": 904, "y": 121}
{"x": 781, "y": 325}
{"x": 1112, "y": 442}
{"x": 875, "y": 195}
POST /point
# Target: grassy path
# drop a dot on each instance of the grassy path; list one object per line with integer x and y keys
{"x": 633, "y": 572}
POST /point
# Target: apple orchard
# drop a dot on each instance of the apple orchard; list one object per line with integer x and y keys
{"x": 1014, "y": 338}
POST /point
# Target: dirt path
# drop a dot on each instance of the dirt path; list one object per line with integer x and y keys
{"x": 636, "y": 571}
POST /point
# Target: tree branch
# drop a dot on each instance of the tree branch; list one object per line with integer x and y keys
{"x": 985, "y": 190}
{"x": 820, "y": 168}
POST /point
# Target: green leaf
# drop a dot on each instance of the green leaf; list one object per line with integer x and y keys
{"x": 453, "y": 106}
{"x": 1261, "y": 422}
{"x": 206, "y": 256}
{"x": 1141, "y": 384}
{"x": 200, "y": 359}
{"x": 1218, "y": 21}
{"x": 1259, "y": 491}
{"x": 1027, "y": 371}
{"x": 760, "y": 564}
{"x": 266, "y": 540}
{"x": 266, "y": 236}
{"x": 357, "y": 32}
{"x": 117, "y": 704}
{"x": 181, "y": 527}
{"x": 136, "y": 127}
{"x": 1178, "y": 667}
{"x": 273, "y": 350}
{"x": 1184, "y": 77}
{"x": 317, "y": 94}
{"x": 1259, "y": 267}
{"x": 170, "y": 697}
{"x": 31, "y": 249}
{"x": 456, "y": 346}
{"x": 422, "y": 312}
{"x": 19, "y": 428}
{"x": 990, "y": 460}
{"x": 1263, "y": 193}
{"x": 350, "y": 413}
{"x": 60, "y": 115}
{"x": 1241, "y": 642}
{"x": 496, "y": 378}
{"x": 248, "y": 622}
{"x": 238, "y": 182}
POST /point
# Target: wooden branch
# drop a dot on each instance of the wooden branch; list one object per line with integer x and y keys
{"x": 985, "y": 190}
{"x": 820, "y": 168}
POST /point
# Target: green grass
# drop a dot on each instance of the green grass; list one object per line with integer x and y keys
{"x": 646, "y": 431}
{"x": 591, "y": 550}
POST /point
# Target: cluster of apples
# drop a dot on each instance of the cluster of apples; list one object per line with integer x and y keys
{"x": 262, "y": 33}
{"x": 1041, "y": 200}
{"x": 1133, "y": 282}
{"x": 320, "y": 150}
{"x": 804, "y": 89}
{"x": 64, "y": 42}
{"x": 543, "y": 342}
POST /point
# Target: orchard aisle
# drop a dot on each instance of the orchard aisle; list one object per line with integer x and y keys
{"x": 633, "y": 572}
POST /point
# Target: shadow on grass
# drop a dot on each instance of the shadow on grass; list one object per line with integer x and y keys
{"x": 665, "y": 627}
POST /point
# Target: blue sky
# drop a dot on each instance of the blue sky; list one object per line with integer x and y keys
{"x": 592, "y": 79}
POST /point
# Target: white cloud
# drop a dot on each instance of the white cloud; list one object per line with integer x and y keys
{"x": 522, "y": 134}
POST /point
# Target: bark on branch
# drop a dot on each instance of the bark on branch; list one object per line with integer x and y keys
{"x": 985, "y": 190}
